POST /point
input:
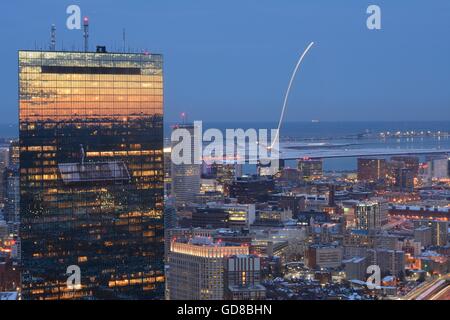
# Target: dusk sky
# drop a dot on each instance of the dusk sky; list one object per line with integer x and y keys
{"x": 232, "y": 60}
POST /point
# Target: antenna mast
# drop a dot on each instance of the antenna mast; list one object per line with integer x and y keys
{"x": 86, "y": 34}
{"x": 124, "y": 40}
{"x": 53, "y": 38}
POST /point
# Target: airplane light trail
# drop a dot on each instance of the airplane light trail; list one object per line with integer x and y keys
{"x": 286, "y": 98}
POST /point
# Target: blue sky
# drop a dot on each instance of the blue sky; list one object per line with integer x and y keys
{"x": 232, "y": 60}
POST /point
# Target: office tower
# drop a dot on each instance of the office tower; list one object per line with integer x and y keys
{"x": 91, "y": 174}
{"x": 224, "y": 173}
{"x": 14, "y": 153}
{"x": 439, "y": 230}
{"x": 385, "y": 241}
{"x": 423, "y": 235}
{"x": 448, "y": 167}
{"x": 349, "y": 213}
{"x": 243, "y": 278}
{"x": 170, "y": 216}
{"x": 436, "y": 167}
{"x": 3, "y": 230}
{"x": 196, "y": 268}
{"x": 170, "y": 222}
{"x": 356, "y": 268}
{"x": 9, "y": 274}
{"x": 186, "y": 176}
{"x": 371, "y": 169}
{"x": 216, "y": 215}
{"x": 273, "y": 216}
{"x": 290, "y": 201}
{"x": 410, "y": 162}
{"x": 392, "y": 171}
{"x": 11, "y": 185}
{"x": 410, "y": 246}
{"x": 167, "y": 171}
{"x": 310, "y": 169}
{"x": 324, "y": 256}
{"x": 251, "y": 189}
{"x": 404, "y": 180}
{"x": 4, "y": 157}
{"x": 370, "y": 215}
{"x": 289, "y": 176}
{"x": 391, "y": 262}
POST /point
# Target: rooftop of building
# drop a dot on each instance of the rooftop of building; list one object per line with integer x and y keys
{"x": 201, "y": 241}
{"x": 251, "y": 288}
{"x": 325, "y": 246}
{"x": 92, "y": 52}
{"x": 253, "y": 178}
{"x": 421, "y": 208}
{"x": 204, "y": 247}
{"x": 354, "y": 260}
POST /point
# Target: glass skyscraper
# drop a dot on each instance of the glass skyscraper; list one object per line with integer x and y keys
{"x": 91, "y": 174}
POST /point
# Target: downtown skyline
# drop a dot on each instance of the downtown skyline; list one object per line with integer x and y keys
{"x": 225, "y": 151}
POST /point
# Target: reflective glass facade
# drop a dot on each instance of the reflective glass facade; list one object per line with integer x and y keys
{"x": 91, "y": 174}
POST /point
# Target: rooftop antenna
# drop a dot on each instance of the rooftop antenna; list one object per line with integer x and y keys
{"x": 124, "y": 39}
{"x": 86, "y": 33}
{"x": 53, "y": 38}
{"x": 183, "y": 117}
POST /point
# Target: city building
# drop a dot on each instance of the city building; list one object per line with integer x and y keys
{"x": 216, "y": 215}
{"x": 224, "y": 173}
{"x": 4, "y": 160}
{"x": 315, "y": 202}
{"x": 410, "y": 246}
{"x": 243, "y": 278}
{"x": 11, "y": 195}
{"x": 356, "y": 268}
{"x": 417, "y": 212}
{"x": 371, "y": 169}
{"x": 384, "y": 240}
{"x": 310, "y": 169}
{"x": 91, "y": 174}
{"x": 273, "y": 216}
{"x": 404, "y": 179}
{"x": 186, "y": 176}
{"x": 14, "y": 154}
{"x": 435, "y": 168}
{"x": 324, "y": 256}
{"x": 290, "y": 201}
{"x": 391, "y": 262}
{"x": 9, "y": 274}
{"x": 196, "y": 268}
{"x": 410, "y": 162}
{"x": 251, "y": 189}
{"x": 167, "y": 171}
{"x": 439, "y": 230}
{"x": 423, "y": 234}
{"x": 370, "y": 215}
{"x": 448, "y": 167}
{"x": 170, "y": 216}
{"x": 349, "y": 213}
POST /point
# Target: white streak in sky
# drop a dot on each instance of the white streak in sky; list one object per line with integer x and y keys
{"x": 297, "y": 67}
